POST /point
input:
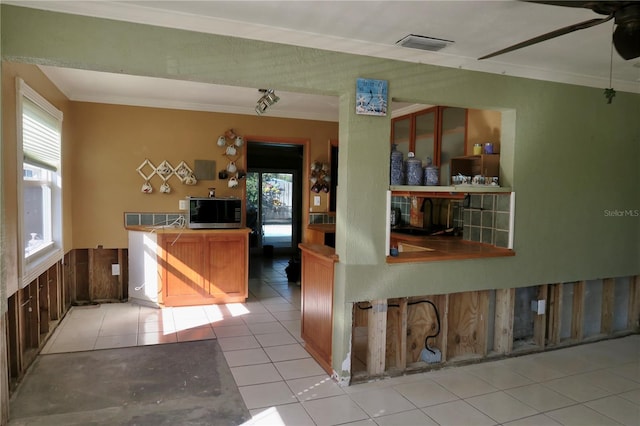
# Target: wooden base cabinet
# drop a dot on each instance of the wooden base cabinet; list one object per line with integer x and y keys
{"x": 203, "y": 268}
{"x": 317, "y": 302}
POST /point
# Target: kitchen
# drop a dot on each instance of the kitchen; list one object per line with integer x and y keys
{"x": 550, "y": 132}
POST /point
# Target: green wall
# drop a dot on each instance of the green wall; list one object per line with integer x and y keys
{"x": 3, "y": 286}
{"x": 574, "y": 156}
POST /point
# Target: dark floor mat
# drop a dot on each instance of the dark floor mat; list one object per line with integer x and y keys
{"x": 185, "y": 383}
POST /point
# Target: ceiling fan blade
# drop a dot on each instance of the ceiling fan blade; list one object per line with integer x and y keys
{"x": 606, "y": 7}
{"x": 552, "y": 34}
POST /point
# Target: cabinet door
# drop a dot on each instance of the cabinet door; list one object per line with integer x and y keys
{"x": 182, "y": 267}
{"x": 226, "y": 259}
{"x": 425, "y": 136}
{"x": 402, "y": 134}
{"x": 451, "y": 140}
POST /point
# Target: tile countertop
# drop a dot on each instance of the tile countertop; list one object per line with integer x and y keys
{"x": 444, "y": 248}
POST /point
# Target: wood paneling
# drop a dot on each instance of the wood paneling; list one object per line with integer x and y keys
{"x": 68, "y": 288}
{"x": 396, "y": 347}
{"x": 86, "y": 276}
{"x": 183, "y": 267}
{"x": 540, "y": 320}
{"x": 32, "y": 314}
{"x": 578, "y": 311}
{"x": 503, "y": 334}
{"x": 634, "y": 304}
{"x": 103, "y": 286}
{"x": 80, "y": 275}
{"x": 55, "y": 290}
{"x": 203, "y": 268}
{"x": 317, "y": 305}
{"x": 608, "y": 300}
{"x": 465, "y": 318}
{"x": 377, "y": 337}
{"x": 43, "y": 303}
{"x": 4, "y": 373}
{"x": 227, "y": 267}
{"x": 467, "y": 324}
{"x": 422, "y": 321}
{"x": 14, "y": 349}
{"x": 554, "y": 314}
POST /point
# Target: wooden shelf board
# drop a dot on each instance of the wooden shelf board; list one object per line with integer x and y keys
{"x": 484, "y": 189}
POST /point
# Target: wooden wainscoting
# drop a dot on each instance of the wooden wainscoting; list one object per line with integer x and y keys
{"x": 317, "y": 301}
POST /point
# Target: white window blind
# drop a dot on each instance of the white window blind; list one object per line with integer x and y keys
{"x": 39, "y": 132}
{"x": 40, "y": 136}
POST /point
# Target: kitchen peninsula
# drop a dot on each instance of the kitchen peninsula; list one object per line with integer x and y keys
{"x": 321, "y": 233}
{"x": 182, "y": 267}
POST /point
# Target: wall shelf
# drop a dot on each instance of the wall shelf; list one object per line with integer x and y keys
{"x": 482, "y": 189}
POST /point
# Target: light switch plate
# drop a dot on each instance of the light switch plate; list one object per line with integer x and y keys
{"x": 316, "y": 200}
{"x": 182, "y": 204}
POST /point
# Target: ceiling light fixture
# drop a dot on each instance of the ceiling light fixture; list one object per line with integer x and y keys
{"x": 431, "y": 44}
{"x": 268, "y": 98}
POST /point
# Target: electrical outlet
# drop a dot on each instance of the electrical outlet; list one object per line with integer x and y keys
{"x": 115, "y": 269}
{"x": 542, "y": 307}
{"x": 539, "y": 306}
{"x": 182, "y": 204}
{"x": 316, "y": 200}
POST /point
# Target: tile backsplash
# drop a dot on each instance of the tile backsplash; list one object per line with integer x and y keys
{"x": 482, "y": 217}
{"x": 171, "y": 218}
{"x": 153, "y": 219}
{"x": 321, "y": 218}
{"x": 404, "y": 204}
{"x": 486, "y": 219}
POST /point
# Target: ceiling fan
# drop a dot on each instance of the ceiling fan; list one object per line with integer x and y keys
{"x": 626, "y": 15}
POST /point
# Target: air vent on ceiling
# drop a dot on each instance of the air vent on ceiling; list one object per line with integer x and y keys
{"x": 423, "y": 42}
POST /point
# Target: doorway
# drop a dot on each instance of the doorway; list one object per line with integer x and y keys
{"x": 270, "y": 209}
{"x": 274, "y": 194}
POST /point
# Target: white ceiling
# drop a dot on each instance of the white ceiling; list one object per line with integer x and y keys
{"x": 360, "y": 27}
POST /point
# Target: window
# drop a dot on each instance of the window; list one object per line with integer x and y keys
{"x": 39, "y": 185}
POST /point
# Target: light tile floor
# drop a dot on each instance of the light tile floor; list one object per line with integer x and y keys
{"x": 593, "y": 384}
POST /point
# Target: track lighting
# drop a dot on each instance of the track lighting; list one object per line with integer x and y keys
{"x": 268, "y": 98}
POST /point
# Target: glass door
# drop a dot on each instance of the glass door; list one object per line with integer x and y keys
{"x": 270, "y": 210}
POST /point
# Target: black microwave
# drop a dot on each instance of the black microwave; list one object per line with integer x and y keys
{"x": 213, "y": 213}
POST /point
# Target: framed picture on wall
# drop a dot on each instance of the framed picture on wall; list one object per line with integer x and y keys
{"x": 371, "y": 96}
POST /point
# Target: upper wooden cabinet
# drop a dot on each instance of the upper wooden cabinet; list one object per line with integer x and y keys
{"x": 442, "y": 133}
{"x": 483, "y": 126}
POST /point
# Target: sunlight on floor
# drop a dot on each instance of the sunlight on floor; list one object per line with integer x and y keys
{"x": 270, "y": 416}
{"x": 236, "y": 309}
